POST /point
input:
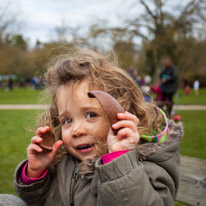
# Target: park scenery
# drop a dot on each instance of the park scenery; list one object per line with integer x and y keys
{"x": 149, "y": 38}
{"x": 18, "y": 126}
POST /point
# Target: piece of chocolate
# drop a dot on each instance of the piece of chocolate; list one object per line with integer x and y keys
{"x": 109, "y": 104}
{"x": 47, "y": 142}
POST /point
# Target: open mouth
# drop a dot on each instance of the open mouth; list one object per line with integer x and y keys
{"x": 85, "y": 147}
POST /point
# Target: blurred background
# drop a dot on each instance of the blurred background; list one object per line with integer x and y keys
{"x": 140, "y": 32}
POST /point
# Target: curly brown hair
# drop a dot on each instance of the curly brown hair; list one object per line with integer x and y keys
{"x": 103, "y": 72}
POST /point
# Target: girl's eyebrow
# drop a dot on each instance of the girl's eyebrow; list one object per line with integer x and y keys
{"x": 65, "y": 113}
{"x": 86, "y": 108}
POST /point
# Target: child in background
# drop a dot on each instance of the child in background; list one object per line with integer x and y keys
{"x": 138, "y": 166}
{"x": 196, "y": 85}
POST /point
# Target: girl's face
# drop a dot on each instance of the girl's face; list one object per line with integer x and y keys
{"x": 82, "y": 120}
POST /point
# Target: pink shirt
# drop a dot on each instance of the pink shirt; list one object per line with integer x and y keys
{"x": 28, "y": 180}
{"x": 105, "y": 159}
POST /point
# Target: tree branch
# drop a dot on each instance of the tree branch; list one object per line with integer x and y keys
{"x": 148, "y": 9}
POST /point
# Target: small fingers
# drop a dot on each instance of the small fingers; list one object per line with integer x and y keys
{"x": 124, "y": 133}
{"x": 42, "y": 130}
{"x": 127, "y": 133}
{"x": 36, "y": 140}
{"x": 125, "y": 124}
{"x": 56, "y": 146}
{"x": 128, "y": 116}
{"x": 34, "y": 148}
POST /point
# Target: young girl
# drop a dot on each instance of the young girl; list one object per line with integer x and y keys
{"x": 137, "y": 166}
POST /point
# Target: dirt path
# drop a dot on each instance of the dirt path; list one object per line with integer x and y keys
{"x": 43, "y": 106}
{"x": 190, "y": 107}
{"x": 23, "y": 106}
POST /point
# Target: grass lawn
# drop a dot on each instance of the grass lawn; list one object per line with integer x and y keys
{"x": 15, "y": 139}
{"x": 191, "y": 99}
{"x": 20, "y": 96}
{"x": 194, "y": 141}
{"x": 29, "y": 96}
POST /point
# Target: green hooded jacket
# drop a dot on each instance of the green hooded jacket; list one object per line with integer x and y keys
{"x": 148, "y": 175}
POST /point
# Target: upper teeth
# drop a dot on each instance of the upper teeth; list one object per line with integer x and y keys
{"x": 84, "y": 146}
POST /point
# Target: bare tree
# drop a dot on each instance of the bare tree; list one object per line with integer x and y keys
{"x": 163, "y": 27}
{"x": 66, "y": 33}
{"x": 8, "y": 19}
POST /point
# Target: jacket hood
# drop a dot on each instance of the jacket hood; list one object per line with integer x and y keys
{"x": 87, "y": 168}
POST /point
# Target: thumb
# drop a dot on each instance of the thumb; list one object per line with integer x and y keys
{"x": 56, "y": 146}
{"x": 110, "y": 133}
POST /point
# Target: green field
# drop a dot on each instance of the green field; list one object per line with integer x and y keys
{"x": 181, "y": 98}
{"x": 194, "y": 141}
{"x": 20, "y": 96}
{"x": 15, "y": 138}
{"x": 29, "y": 96}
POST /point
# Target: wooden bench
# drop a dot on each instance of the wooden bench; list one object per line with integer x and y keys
{"x": 192, "y": 189}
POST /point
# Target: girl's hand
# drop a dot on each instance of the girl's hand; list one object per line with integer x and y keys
{"x": 127, "y": 136}
{"x": 39, "y": 159}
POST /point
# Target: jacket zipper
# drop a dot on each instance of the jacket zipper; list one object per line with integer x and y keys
{"x": 74, "y": 181}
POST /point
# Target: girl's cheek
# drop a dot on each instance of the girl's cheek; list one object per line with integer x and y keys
{"x": 101, "y": 130}
{"x": 65, "y": 136}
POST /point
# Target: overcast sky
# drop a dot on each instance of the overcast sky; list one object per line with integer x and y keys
{"x": 41, "y": 17}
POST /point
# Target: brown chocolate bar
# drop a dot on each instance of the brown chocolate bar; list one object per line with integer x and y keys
{"x": 109, "y": 104}
{"x": 47, "y": 142}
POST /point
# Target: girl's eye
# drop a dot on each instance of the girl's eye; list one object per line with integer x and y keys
{"x": 91, "y": 115}
{"x": 67, "y": 121}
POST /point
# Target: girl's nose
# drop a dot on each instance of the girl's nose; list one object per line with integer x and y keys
{"x": 79, "y": 130}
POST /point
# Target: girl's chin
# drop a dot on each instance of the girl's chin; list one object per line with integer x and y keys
{"x": 86, "y": 157}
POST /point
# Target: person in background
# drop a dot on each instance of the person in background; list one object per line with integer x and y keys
{"x": 186, "y": 86}
{"x": 196, "y": 85}
{"x": 156, "y": 90}
{"x": 187, "y": 90}
{"x": 10, "y": 83}
{"x": 168, "y": 79}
